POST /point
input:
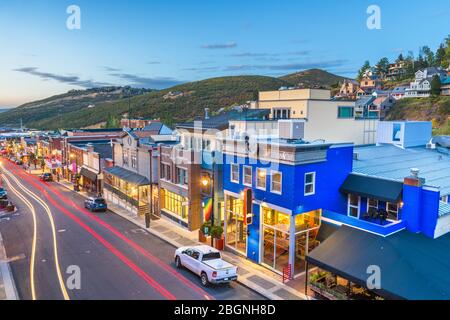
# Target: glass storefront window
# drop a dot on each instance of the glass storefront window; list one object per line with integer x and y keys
{"x": 174, "y": 203}
{"x": 236, "y": 231}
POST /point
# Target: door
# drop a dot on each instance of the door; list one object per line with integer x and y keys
{"x": 236, "y": 228}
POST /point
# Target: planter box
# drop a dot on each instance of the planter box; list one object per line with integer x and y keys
{"x": 219, "y": 244}
{"x": 201, "y": 236}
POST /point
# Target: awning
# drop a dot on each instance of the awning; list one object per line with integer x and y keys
{"x": 91, "y": 175}
{"x": 412, "y": 265}
{"x": 128, "y": 176}
{"x": 372, "y": 187}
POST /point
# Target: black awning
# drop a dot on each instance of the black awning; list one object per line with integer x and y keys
{"x": 128, "y": 176}
{"x": 412, "y": 266}
{"x": 373, "y": 187}
{"x": 91, "y": 175}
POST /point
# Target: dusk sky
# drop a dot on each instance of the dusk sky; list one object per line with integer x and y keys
{"x": 156, "y": 44}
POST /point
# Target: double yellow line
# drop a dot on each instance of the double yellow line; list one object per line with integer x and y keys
{"x": 52, "y": 223}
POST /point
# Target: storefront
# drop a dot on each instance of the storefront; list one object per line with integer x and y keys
{"x": 127, "y": 190}
{"x": 236, "y": 228}
{"x": 89, "y": 180}
{"x": 175, "y": 205}
{"x": 278, "y": 248}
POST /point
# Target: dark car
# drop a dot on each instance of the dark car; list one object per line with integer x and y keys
{"x": 19, "y": 162}
{"x": 46, "y": 177}
{"x": 95, "y": 204}
{"x": 3, "y": 194}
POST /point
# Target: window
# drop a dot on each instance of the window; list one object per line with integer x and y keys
{"x": 310, "y": 183}
{"x": 353, "y": 205}
{"x": 444, "y": 199}
{"x": 248, "y": 176}
{"x": 261, "y": 179}
{"x": 372, "y": 203}
{"x": 125, "y": 156}
{"x": 176, "y": 204}
{"x": 392, "y": 210}
{"x": 165, "y": 172}
{"x": 345, "y": 112}
{"x": 182, "y": 176}
{"x": 134, "y": 159}
{"x": 235, "y": 173}
{"x": 276, "y": 182}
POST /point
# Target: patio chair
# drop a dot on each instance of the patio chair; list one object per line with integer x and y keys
{"x": 383, "y": 216}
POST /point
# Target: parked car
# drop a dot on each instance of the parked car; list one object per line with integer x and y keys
{"x": 13, "y": 159}
{"x": 19, "y": 162}
{"x": 3, "y": 194}
{"x": 207, "y": 263}
{"x": 48, "y": 177}
{"x": 95, "y": 204}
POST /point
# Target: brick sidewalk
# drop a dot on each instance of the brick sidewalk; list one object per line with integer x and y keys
{"x": 8, "y": 289}
{"x": 251, "y": 275}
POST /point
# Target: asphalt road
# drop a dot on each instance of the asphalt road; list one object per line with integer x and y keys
{"x": 116, "y": 259}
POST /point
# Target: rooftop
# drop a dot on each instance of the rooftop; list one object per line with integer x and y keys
{"x": 391, "y": 162}
{"x": 220, "y": 122}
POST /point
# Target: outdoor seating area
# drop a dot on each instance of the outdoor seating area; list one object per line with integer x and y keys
{"x": 327, "y": 285}
{"x": 376, "y": 216}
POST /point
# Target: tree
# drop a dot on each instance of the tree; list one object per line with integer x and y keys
{"x": 400, "y": 58}
{"x": 439, "y": 56}
{"x": 446, "y": 59}
{"x": 112, "y": 122}
{"x": 428, "y": 56}
{"x": 363, "y": 69}
{"x": 436, "y": 85}
{"x": 382, "y": 67}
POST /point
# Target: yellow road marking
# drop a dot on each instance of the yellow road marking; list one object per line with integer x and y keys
{"x": 52, "y": 223}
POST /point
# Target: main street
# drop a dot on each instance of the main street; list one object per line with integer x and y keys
{"x": 54, "y": 234}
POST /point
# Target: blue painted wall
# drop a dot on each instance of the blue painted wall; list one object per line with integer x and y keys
{"x": 330, "y": 175}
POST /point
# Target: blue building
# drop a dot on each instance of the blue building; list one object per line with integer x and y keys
{"x": 292, "y": 183}
{"x": 302, "y": 190}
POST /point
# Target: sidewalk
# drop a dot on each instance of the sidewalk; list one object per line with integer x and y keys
{"x": 8, "y": 289}
{"x": 251, "y": 275}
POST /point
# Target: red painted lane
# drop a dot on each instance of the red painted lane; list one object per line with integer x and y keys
{"x": 158, "y": 287}
{"x": 131, "y": 243}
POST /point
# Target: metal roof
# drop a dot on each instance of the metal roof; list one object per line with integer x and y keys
{"x": 128, "y": 176}
{"x": 444, "y": 209}
{"x": 391, "y": 162}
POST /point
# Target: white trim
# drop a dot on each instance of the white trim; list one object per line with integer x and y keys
{"x": 340, "y": 224}
{"x": 265, "y": 178}
{"x": 281, "y": 182}
{"x": 273, "y": 206}
{"x": 230, "y": 193}
{"x": 348, "y": 206}
{"x": 313, "y": 184}
{"x": 378, "y": 204}
{"x": 231, "y": 173}
{"x": 251, "y": 176}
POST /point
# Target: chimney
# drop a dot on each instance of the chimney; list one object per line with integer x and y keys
{"x": 413, "y": 179}
{"x": 206, "y": 113}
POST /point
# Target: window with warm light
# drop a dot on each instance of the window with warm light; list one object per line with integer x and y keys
{"x": 261, "y": 179}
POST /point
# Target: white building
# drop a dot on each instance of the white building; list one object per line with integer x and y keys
{"x": 421, "y": 87}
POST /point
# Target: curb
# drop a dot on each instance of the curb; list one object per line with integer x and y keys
{"x": 8, "y": 280}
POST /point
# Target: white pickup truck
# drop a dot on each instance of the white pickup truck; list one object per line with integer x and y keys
{"x": 207, "y": 263}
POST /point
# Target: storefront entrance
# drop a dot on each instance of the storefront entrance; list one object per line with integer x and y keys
{"x": 278, "y": 248}
{"x": 236, "y": 229}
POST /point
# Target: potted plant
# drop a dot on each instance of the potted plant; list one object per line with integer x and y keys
{"x": 216, "y": 233}
{"x": 204, "y": 231}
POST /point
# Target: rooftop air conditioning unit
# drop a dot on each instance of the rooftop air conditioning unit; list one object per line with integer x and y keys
{"x": 291, "y": 129}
